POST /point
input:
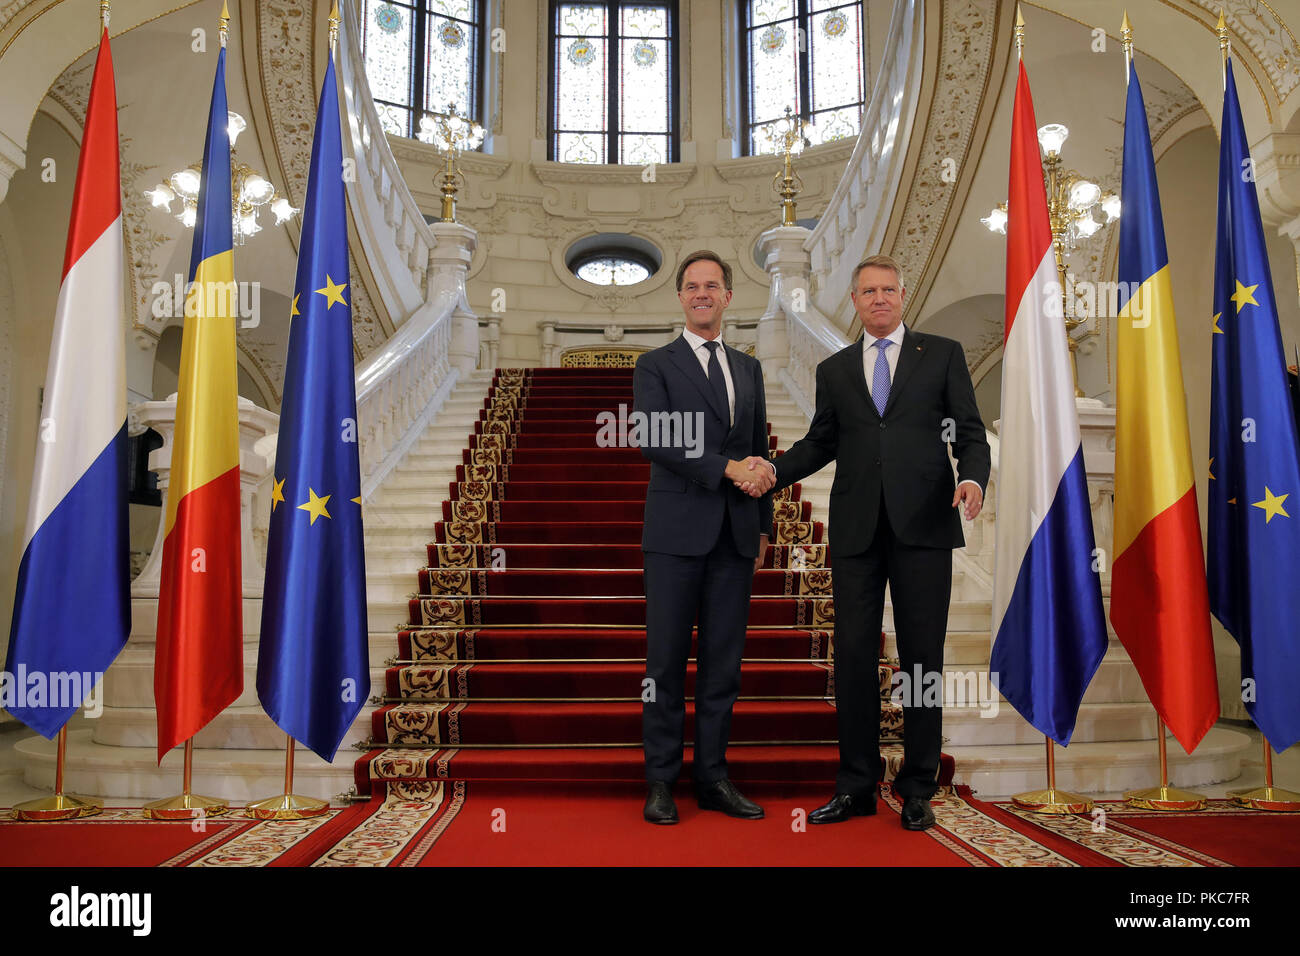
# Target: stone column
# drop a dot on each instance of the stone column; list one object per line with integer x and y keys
{"x": 790, "y": 265}
{"x": 449, "y": 261}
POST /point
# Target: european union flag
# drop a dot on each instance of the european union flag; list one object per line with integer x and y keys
{"x": 1254, "y": 491}
{"x": 313, "y": 669}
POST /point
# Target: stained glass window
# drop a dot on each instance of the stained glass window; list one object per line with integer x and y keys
{"x": 613, "y": 82}
{"x": 805, "y": 54}
{"x": 612, "y": 270}
{"x": 421, "y": 57}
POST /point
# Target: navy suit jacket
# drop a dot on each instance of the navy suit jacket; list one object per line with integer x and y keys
{"x": 902, "y": 454}
{"x": 687, "y": 496}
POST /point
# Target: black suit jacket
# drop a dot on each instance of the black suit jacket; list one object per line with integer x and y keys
{"x": 687, "y": 495}
{"x": 902, "y": 453}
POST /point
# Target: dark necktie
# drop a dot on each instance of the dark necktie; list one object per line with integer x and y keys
{"x": 717, "y": 382}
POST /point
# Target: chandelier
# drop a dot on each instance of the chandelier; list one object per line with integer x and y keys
{"x": 452, "y": 133}
{"x": 250, "y": 192}
{"x": 786, "y": 137}
{"x": 1072, "y": 201}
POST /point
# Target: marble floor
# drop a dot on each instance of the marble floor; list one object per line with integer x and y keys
{"x": 1286, "y": 770}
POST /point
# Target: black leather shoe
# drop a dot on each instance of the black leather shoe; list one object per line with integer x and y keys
{"x": 842, "y": 806}
{"x": 917, "y": 814}
{"x": 723, "y": 796}
{"x": 659, "y": 805}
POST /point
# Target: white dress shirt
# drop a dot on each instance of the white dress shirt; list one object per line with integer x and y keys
{"x": 696, "y": 343}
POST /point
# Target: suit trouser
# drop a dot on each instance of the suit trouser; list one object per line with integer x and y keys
{"x": 920, "y": 586}
{"x": 716, "y": 588}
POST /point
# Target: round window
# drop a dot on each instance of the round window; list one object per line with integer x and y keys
{"x": 612, "y": 270}
{"x": 613, "y": 259}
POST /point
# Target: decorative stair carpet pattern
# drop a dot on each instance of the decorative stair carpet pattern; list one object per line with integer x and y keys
{"x": 524, "y": 649}
{"x": 452, "y": 823}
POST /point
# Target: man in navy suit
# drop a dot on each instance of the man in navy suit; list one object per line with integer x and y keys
{"x": 888, "y": 408}
{"x": 703, "y": 537}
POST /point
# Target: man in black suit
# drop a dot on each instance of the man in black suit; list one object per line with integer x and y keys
{"x": 888, "y": 407}
{"x": 703, "y": 538}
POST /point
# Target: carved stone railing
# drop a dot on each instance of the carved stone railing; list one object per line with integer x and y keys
{"x": 811, "y": 270}
{"x": 858, "y": 212}
{"x": 419, "y": 272}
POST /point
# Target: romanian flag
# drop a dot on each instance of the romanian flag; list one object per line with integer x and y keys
{"x": 1254, "y": 526}
{"x": 313, "y": 667}
{"x": 1048, "y": 624}
{"x": 1158, "y": 601}
{"x": 72, "y": 610}
{"x": 198, "y": 666}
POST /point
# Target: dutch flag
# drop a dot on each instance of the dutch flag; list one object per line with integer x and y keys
{"x": 1048, "y": 624}
{"x": 72, "y": 610}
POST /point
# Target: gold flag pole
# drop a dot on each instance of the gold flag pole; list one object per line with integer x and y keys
{"x": 1050, "y": 800}
{"x": 287, "y": 805}
{"x": 189, "y": 805}
{"x": 290, "y": 805}
{"x": 1266, "y": 797}
{"x": 1164, "y": 797}
{"x": 59, "y": 806}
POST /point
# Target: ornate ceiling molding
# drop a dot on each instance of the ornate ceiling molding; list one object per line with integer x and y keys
{"x": 1268, "y": 37}
{"x": 287, "y": 39}
{"x": 973, "y": 49}
{"x": 569, "y": 174}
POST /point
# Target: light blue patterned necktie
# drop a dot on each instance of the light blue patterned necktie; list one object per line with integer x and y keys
{"x": 880, "y": 377}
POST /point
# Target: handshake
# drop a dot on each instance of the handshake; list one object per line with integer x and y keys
{"x": 755, "y": 476}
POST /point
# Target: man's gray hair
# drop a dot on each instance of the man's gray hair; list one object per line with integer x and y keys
{"x": 884, "y": 262}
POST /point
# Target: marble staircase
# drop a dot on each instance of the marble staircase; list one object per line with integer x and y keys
{"x": 240, "y": 754}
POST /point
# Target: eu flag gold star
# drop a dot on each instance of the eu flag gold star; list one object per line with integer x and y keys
{"x": 316, "y": 506}
{"x": 357, "y": 499}
{"x": 333, "y": 293}
{"x": 1272, "y": 505}
{"x": 277, "y": 494}
{"x": 293, "y": 310}
{"x": 1214, "y": 323}
{"x": 1210, "y": 469}
{"x": 1245, "y": 295}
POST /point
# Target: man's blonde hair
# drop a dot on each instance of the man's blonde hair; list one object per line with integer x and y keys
{"x": 884, "y": 262}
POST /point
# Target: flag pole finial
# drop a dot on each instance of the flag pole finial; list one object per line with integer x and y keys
{"x": 224, "y": 28}
{"x": 1221, "y": 28}
{"x": 1020, "y": 34}
{"x": 1126, "y": 40}
{"x": 334, "y": 25}
{"x": 104, "y": 11}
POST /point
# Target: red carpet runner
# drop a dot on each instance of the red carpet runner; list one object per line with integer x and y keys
{"x": 525, "y": 649}
{"x": 493, "y": 824}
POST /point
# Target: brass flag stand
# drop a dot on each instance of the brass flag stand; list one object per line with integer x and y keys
{"x": 1052, "y": 800}
{"x": 288, "y": 805}
{"x": 60, "y": 806}
{"x": 1164, "y": 797}
{"x": 187, "y": 805}
{"x": 1267, "y": 797}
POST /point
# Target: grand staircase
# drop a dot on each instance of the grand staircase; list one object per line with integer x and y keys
{"x": 523, "y": 656}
